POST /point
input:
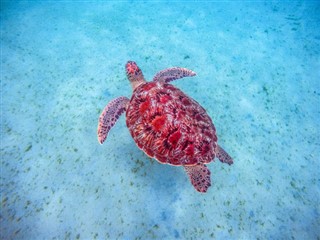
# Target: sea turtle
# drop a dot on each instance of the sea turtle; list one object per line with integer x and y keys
{"x": 167, "y": 124}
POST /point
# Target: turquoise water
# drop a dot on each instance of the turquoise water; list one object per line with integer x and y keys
{"x": 258, "y": 77}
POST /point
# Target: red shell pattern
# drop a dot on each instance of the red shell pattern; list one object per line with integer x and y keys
{"x": 170, "y": 126}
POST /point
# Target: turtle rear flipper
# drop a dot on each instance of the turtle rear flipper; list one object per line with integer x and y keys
{"x": 110, "y": 115}
{"x": 223, "y": 156}
{"x": 199, "y": 176}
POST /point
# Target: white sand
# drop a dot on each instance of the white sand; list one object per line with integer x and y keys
{"x": 258, "y": 77}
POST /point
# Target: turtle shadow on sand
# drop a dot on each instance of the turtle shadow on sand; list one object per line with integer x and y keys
{"x": 148, "y": 172}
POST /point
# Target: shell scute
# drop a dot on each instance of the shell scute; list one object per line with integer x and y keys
{"x": 159, "y": 122}
{"x": 174, "y": 138}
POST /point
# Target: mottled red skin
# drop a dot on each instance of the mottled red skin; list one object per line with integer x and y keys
{"x": 170, "y": 126}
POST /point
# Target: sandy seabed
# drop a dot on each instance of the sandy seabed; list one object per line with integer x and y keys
{"x": 258, "y": 72}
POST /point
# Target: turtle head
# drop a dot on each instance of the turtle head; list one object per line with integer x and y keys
{"x": 134, "y": 74}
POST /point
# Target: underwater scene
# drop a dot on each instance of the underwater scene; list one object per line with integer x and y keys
{"x": 254, "y": 66}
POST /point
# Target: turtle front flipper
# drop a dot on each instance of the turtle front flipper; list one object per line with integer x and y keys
{"x": 223, "y": 156}
{"x": 170, "y": 74}
{"x": 199, "y": 176}
{"x": 110, "y": 115}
